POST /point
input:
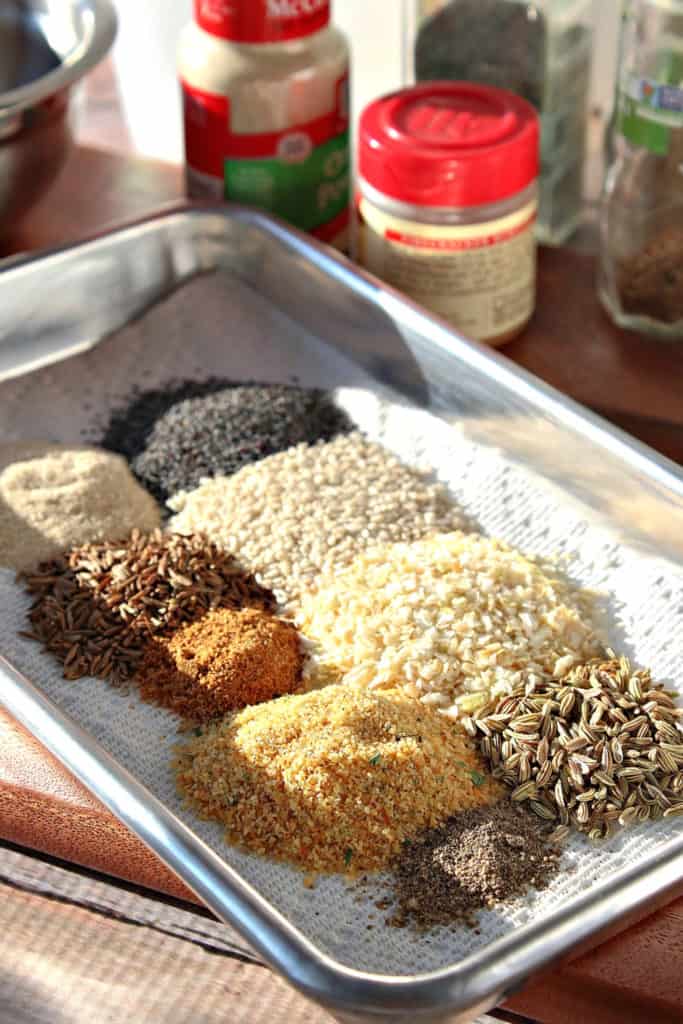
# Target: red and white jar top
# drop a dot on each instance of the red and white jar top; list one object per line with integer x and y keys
{"x": 262, "y": 21}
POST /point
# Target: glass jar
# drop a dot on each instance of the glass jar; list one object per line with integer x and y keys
{"x": 641, "y": 266}
{"x": 540, "y": 50}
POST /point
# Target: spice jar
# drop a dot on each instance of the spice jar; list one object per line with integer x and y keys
{"x": 265, "y": 93}
{"x": 641, "y": 273}
{"x": 448, "y": 194}
{"x": 540, "y": 50}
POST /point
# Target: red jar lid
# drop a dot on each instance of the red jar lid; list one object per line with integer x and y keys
{"x": 449, "y": 144}
{"x": 262, "y": 21}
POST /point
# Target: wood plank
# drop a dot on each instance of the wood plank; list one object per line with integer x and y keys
{"x": 59, "y": 881}
{"x": 81, "y": 950}
{"x": 62, "y": 963}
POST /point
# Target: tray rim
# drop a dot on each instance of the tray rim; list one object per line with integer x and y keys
{"x": 481, "y": 979}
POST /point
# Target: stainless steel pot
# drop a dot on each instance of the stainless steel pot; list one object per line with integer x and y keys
{"x": 46, "y": 46}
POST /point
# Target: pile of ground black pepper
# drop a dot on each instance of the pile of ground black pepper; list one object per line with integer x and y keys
{"x": 476, "y": 859}
{"x": 218, "y": 433}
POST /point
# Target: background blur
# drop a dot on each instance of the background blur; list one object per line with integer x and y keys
{"x": 144, "y": 62}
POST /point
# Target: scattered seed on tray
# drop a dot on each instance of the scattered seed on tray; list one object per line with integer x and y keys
{"x": 475, "y": 860}
{"x": 226, "y": 660}
{"x": 97, "y": 605}
{"x": 312, "y": 508}
{"x": 53, "y": 497}
{"x": 221, "y": 432}
{"x": 334, "y": 780}
{"x": 600, "y": 748}
{"x": 131, "y": 424}
{"x": 449, "y": 618}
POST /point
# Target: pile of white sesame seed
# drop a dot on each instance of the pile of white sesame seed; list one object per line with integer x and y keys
{"x": 312, "y": 508}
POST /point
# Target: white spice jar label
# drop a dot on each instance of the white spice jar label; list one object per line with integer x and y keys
{"x": 481, "y": 278}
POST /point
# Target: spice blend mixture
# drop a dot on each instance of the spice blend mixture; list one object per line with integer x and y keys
{"x": 228, "y": 659}
{"x": 471, "y": 862}
{"x": 97, "y": 605}
{"x": 401, "y": 615}
{"x": 53, "y": 497}
{"x": 313, "y": 508}
{"x": 602, "y": 747}
{"x": 332, "y": 780}
{"x": 221, "y": 432}
{"x": 448, "y": 618}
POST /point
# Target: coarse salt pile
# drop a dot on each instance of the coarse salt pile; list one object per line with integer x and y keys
{"x": 333, "y": 780}
{"x": 451, "y": 619}
{"x": 311, "y": 509}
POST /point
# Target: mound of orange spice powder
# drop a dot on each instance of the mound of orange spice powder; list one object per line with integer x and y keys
{"x": 226, "y": 660}
{"x": 333, "y": 780}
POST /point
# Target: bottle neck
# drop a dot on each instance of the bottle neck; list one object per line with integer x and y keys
{"x": 262, "y": 21}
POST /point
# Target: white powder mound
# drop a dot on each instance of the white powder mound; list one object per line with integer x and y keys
{"x": 53, "y": 497}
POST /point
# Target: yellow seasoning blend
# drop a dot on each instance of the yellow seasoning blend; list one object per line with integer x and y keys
{"x": 447, "y": 203}
{"x": 265, "y": 95}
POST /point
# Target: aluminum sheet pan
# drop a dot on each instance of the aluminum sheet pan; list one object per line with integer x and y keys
{"x": 323, "y": 311}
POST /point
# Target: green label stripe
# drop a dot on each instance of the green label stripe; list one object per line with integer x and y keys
{"x": 307, "y": 194}
{"x": 640, "y": 127}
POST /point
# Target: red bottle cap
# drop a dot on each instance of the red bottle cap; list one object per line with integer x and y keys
{"x": 262, "y": 21}
{"x": 449, "y": 144}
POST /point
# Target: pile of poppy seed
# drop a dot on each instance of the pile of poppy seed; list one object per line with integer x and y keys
{"x": 178, "y": 437}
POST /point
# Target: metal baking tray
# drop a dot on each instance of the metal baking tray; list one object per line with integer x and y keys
{"x": 57, "y": 305}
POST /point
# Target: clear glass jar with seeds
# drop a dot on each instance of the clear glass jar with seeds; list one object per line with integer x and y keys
{"x": 540, "y": 50}
{"x": 641, "y": 280}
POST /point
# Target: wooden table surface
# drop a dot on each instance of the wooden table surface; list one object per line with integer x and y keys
{"x": 80, "y": 947}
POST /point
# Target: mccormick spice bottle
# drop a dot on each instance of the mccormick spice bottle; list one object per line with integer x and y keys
{"x": 447, "y": 204}
{"x": 265, "y": 91}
